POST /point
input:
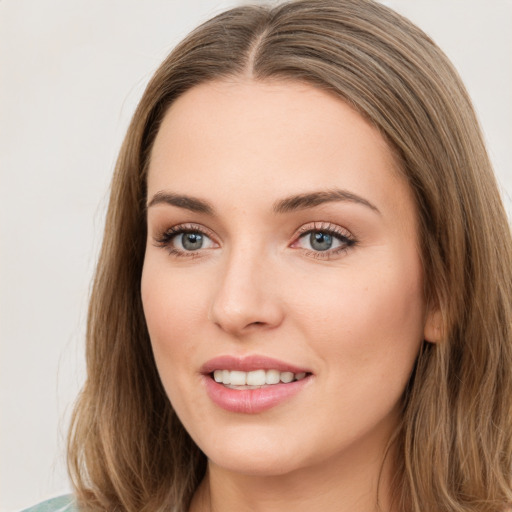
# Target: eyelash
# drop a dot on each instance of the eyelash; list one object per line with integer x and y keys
{"x": 342, "y": 235}
{"x": 347, "y": 240}
{"x": 166, "y": 238}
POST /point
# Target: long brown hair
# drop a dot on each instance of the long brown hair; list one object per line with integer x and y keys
{"x": 127, "y": 449}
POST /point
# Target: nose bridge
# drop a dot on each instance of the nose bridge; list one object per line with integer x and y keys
{"x": 245, "y": 297}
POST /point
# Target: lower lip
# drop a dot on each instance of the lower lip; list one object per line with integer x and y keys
{"x": 252, "y": 401}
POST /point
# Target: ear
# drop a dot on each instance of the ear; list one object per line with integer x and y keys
{"x": 433, "y": 331}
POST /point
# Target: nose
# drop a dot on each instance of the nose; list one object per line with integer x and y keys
{"x": 246, "y": 298}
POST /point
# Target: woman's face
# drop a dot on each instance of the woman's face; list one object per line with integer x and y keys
{"x": 282, "y": 245}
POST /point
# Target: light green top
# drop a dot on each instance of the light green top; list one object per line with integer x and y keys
{"x": 61, "y": 504}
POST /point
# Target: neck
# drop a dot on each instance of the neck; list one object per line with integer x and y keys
{"x": 363, "y": 485}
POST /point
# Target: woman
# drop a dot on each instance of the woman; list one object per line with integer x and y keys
{"x": 303, "y": 295}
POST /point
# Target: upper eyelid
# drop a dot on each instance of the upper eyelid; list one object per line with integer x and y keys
{"x": 302, "y": 230}
{"x": 187, "y": 226}
{"x": 164, "y": 239}
{"x": 324, "y": 226}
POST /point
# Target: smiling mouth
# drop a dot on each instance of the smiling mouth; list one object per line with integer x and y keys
{"x": 256, "y": 379}
{"x": 252, "y": 384}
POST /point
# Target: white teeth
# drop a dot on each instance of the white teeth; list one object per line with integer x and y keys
{"x": 238, "y": 378}
{"x": 272, "y": 377}
{"x": 256, "y": 378}
{"x": 286, "y": 377}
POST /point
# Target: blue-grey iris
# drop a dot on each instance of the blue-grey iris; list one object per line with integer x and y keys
{"x": 192, "y": 241}
{"x": 320, "y": 241}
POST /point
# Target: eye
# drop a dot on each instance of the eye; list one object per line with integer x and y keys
{"x": 324, "y": 240}
{"x": 321, "y": 241}
{"x": 185, "y": 240}
{"x": 191, "y": 241}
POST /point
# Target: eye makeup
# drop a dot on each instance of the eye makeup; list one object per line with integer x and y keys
{"x": 323, "y": 240}
{"x": 320, "y": 240}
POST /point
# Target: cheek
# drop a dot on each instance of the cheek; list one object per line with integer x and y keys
{"x": 172, "y": 309}
{"x": 369, "y": 319}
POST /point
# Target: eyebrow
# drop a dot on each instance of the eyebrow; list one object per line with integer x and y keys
{"x": 289, "y": 204}
{"x": 312, "y": 199}
{"x": 182, "y": 201}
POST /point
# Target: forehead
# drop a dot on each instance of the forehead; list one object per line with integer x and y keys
{"x": 268, "y": 140}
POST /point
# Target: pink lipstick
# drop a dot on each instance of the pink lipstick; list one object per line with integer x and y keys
{"x": 252, "y": 384}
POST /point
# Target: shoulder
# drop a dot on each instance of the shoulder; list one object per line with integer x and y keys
{"x": 61, "y": 504}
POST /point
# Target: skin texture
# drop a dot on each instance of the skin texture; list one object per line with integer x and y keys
{"x": 355, "y": 318}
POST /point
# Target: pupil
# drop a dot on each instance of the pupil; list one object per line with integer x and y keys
{"x": 192, "y": 241}
{"x": 320, "y": 241}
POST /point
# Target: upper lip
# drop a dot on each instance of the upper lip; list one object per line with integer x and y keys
{"x": 249, "y": 363}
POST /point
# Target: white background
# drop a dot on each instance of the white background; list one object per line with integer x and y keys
{"x": 71, "y": 73}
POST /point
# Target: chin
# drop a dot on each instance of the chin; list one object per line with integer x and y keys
{"x": 254, "y": 455}
{"x": 256, "y": 465}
